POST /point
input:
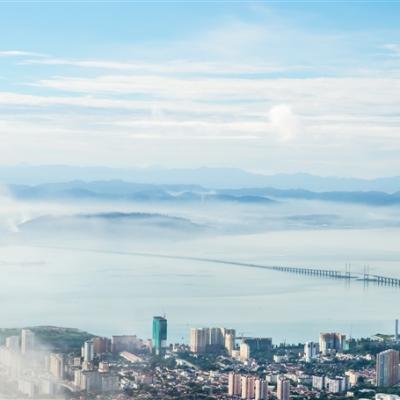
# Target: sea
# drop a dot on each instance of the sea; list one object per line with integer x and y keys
{"x": 109, "y": 289}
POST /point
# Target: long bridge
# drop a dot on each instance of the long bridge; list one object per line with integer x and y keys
{"x": 381, "y": 280}
{"x": 310, "y": 271}
{"x": 327, "y": 273}
{"x": 331, "y": 273}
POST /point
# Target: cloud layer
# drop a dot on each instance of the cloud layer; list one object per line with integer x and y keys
{"x": 227, "y": 96}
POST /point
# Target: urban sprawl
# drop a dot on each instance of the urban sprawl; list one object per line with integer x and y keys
{"x": 217, "y": 364}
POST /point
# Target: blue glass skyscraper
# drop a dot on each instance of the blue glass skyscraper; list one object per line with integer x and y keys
{"x": 159, "y": 340}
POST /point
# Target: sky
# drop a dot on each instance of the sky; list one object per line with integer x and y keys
{"x": 259, "y": 85}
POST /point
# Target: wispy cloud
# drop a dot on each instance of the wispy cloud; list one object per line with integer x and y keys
{"x": 393, "y": 47}
{"x": 171, "y": 67}
{"x": 310, "y": 96}
{"x": 19, "y": 53}
{"x": 234, "y": 93}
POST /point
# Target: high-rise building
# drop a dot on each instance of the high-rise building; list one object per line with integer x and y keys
{"x": 56, "y": 365}
{"x": 311, "y": 351}
{"x": 336, "y": 385}
{"x": 12, "y": 343}
{"x": 88, "y": 353}
{"x": 251, "y": 384}
{"x": 230, "y": 343}
{"x": 27, "y": 341}
{"x": 248, "y": 386}
{"x": 204, "y": 340}
{"x": 229, "y": 339}
{"x": 318, "y": 382}
{"x": 353, "y": 377}
{"x": 258, "y": 344}
{"x": 93, "y": 381}
{"x": 101, "y": 345}
{"x": 260, "y": 389}
{"x": 249, "y": 346}
{"x": 331, "y": 342}
{"x": 243, "y": 387}
{"x": 387, "y": 368}
{"x": 244, "y": 351}
{"x": 199, "y": 338}
{"x": 159, "y": 338}
{"x": 120, "y": 343}
{"x": 234, "y": 384}
{"x": 283, "y": 389}
{"x": 217, "y": 338}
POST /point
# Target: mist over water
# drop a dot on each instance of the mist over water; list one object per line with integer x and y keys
{"x": 69, "y": 260}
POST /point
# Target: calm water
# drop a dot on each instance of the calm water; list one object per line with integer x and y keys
{"x": 115, "y": 293}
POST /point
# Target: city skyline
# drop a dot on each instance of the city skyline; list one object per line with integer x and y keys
{"x": 34, "y": 365}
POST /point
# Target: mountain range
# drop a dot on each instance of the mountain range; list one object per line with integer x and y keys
{"x": 222, "y": 178}
{"x": 116, "y": 190}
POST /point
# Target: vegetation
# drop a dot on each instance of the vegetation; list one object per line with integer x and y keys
{"x": 370, "y": 346}
{"x": 63, "y": 340}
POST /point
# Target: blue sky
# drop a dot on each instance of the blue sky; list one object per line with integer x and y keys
{"x": 265, "y": 86}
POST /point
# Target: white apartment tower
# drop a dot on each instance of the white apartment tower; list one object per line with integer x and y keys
{"x": 248, "y": 386}
{"x": 27, "y": 341}
{"x": 12, "y": 343}
{"x": 56, "y": 365}
{"x": 260, "y": 389}
{"x": 88, "y": 352}
{"x": 311, "y": 351}
{"x": 283, "y": 389}
{"x": 199, "y": 338}
{"x": 234, "y": 385}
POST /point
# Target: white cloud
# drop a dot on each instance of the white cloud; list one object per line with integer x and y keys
{"x": 393, "y": 47}
{"x": 183, "y": 138}
{"x": 195, "y": 129}
{"x": 144, "y": 111}
{"x": 241, "y": 89}
{"x": 170, "y": 67}
{"x": 155, "y": 107}
{"x": 19, "y": 53}
{"x": 326, "y": 106}
{"x": 284, "y": 121}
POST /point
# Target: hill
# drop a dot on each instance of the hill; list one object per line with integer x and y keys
{"x": 64, "y": 340}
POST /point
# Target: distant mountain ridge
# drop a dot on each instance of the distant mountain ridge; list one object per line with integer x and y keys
{"x": 133, "y": 192}
{"x": 127, "y": 191}
{"x": 361, "y": 197}
{"x": 125, "y": 224}
{"x": 223, "y": 178}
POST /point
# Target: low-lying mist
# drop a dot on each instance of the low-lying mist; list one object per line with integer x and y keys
{"x": 157, "y": 221}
